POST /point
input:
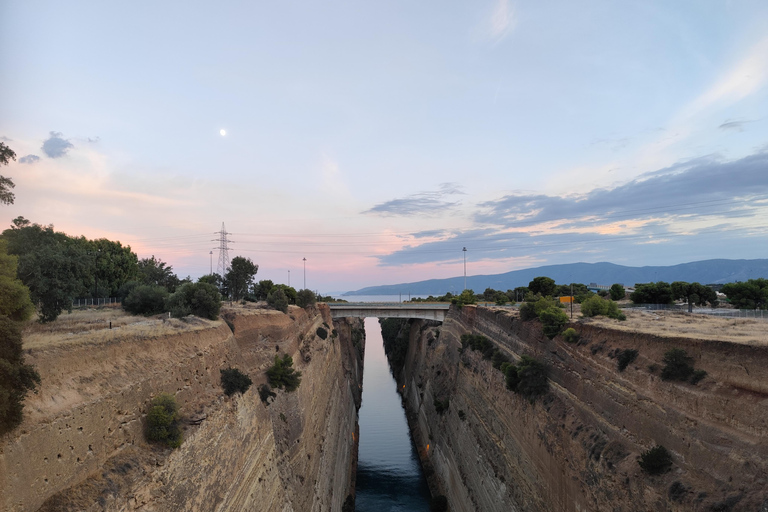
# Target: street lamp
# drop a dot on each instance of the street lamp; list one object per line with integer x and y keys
{"x": 305, "y": 273}
{"x": 289, "y": 278}
{"x": 465, "y": 267}
{"x": 211, "y": 253}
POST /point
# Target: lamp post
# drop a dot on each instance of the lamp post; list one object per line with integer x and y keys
{"x": 289, "y": 278}
{"x": 305, "y": 273}
{"x": 211, "y": 253}
{"x": 465, "y": 267}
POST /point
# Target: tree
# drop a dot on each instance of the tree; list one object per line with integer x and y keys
{"x": 154, "y": 271}
{"x": 16, "y": 378}
{"x": 617, "y": 291}
{"x": 239, "y": 277}
{"x": 278, "y": 300}
{"x": 146, "y": 299}
{"x": 200, "y": 299}
{"x": 114, "y": 265}
{"x": 305, "y": 298}
{"x": 282, "y": 375}
{"x": 263, "y": 289}
{"x": 652, "y": 293}
{"x": 752, "y": 294}
{"x": 52, "y": 265}
{"x": 14, "y": 296}
{"x": 553, "y": 319}
{"x": 6, "y": 184}
{"x": 163, "y": 421}
{"x": 694, "y": 294}
{"x": 542, "y": 285}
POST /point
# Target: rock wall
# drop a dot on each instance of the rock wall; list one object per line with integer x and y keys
{"x": 81, "y": 446}
{"x": 577, "y": 448}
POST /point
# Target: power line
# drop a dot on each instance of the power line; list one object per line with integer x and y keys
{"x": 223, "y": 248}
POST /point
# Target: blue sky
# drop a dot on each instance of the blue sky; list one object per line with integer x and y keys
{"x": 377, "y": 139}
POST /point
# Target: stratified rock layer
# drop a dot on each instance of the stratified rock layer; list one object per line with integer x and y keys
{"x": 81, "y": 446}
{"x": 577, "y": 448}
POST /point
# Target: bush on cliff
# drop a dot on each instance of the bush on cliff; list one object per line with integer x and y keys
{"x": 677, "y": 365}
{"x": 553, "y": 320}
{"x": 528, "y": 377}
{"x": 265, "y": 393}
{"x": 199, "y": 299}
{"x": 322, "y": 333}
{"x": 278, "y": 300}
{"x": 655, "y": 461}
{"x": 233, "y": 381}
{"x": 570, "y": 335}
{"x": 305, "y": 298}
{"x": 16, "y": 378}
{"x": 597, "y": 306}
{"x": 625, "y": 357}
{"x": 146, "y": 299}
{"x": 163, "y": 421}
{"x": 282, "y": 375}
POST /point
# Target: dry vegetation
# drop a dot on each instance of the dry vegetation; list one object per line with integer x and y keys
{"x": 93, "y": 326}
{"x": 680, "y": 324}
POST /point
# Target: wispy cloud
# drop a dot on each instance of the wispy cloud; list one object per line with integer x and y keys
{"x": 423, "y": 203}
{"x": 736, "y": 124}
{"x": 29, "y": 159}
{"x": 56, "y": 146}
{"x": 502, "y": 20}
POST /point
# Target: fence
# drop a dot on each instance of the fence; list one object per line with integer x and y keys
{"x": 756, "y": 314}
{"x": 98, "y": 301}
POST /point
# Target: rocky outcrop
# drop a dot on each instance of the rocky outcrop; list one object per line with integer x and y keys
{"x": 81, "y": 446}
{"x": 576, "y": 448}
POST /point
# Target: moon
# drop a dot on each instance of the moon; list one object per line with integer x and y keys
{"x": 223, "y": 132}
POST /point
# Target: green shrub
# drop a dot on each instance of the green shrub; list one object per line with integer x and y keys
{"x": 438, "y": 504}
{"x": 277, "y": 299}
{"x": 553, "y": 320}
{"x": 233, "y": 380}
{"x": 265, "y": 392}
{"x": 478, "y": 342}
{"x": 163, "y": 421}
{"x": 511, "y": 377}
{"x": 322, "y": 333}
{"x": 696, "y": 376}
{"x": 146, "y": 300}
{"x": 570, "y": 335}
{"x": 305, "y": 298}
{"x": 200, "y": 299}
{"x": 441, "y": 405}
{"x": 499, "y": 358}
{"x": 532, "y": 378}
{"x": 528, "y": 311}
{"x": 282, "y": 375}
{"x": 655, "y": 461}
{"x": 596, "y": 306}
{"x": 677, "y": 365}
{"x": 16, "y": 378}
{"x": 625, "y": 357}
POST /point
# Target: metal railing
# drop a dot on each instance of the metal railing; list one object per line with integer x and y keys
{"x": 94, "y": 301}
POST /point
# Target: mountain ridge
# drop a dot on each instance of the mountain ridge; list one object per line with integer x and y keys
{"x": 714, "y": 271}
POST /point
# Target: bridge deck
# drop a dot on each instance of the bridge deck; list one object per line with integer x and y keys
{"x": 428, "y": 311}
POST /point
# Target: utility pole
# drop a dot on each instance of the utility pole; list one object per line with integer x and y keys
{"x": 211, "y": 253}
{"x": 571, "y": 301}
{"x": 465, "y": 267}
{"x": 289, "y": 278}
{"x": 305, "y": 273}
{"x": 223, "y": 251}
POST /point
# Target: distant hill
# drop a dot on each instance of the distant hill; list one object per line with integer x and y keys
{"x": 705, "y": 272}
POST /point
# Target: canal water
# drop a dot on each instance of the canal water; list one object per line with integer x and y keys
{"x": 389, "y": 476}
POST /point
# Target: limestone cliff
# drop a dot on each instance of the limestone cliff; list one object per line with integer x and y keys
{"x": 576, "y": 449}
{"x": 81, "y": 446}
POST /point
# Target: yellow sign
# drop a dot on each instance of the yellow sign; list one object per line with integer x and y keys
{"x": 566, "y": 300}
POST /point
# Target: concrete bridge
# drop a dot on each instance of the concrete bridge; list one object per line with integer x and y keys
{"x": 427, "y": 311}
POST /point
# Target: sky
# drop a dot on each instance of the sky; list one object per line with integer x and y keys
{"x": 379, "y": 139}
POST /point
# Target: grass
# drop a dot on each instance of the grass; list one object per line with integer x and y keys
{"x": 91, "y": 326}
{"x": 677, "y": 324}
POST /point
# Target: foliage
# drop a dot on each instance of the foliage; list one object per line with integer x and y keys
{"x": 752, "y": 294}
{"x": 14, "y": 296}
{"x": 617, "y": 291}
{"x": 146, "y": 300}
{"x": 652, "y": 293}
{"x": 594, "y": 306}
{"x": 239, "y": 277}
{"x": 543, "y": 286}
{"x": 233, "y": 380}
{"x": 16, "y": 378}
{"x": 570, "y": 335}
{"x": 199, "y": 299}
{"x": 6, "y": 184}
{"x": 322, "y": 333}
{"x": 153, "y": 271}
{"x": 697, "y": 376}
{"x": 528, "y": 377}
{"x": 163, "y": 421}
{"x": 282, "y": 375}
{"x": 262, "y": 289}
{"x": 112, "y": 265}
{"x": 625, "y": 357}
{"x": 441, "y": 405}
{"x": 532, "y": 308}
{"x": 478, "y": 342}
{"x": 466, "y": 297}
{"x": 212, "y": 279}
{"x": 655, "y": 461}
{"x": 695, "y": 294}
{"x": 278, "y": 300}
{"x": 305, "y": 298}
{"x": 265, "y": 392}
{"x": 553, "y": 320}
{"x": 677, "y": 365}
{"x": 438, "y": 504}
{"x": 528, "y": 311}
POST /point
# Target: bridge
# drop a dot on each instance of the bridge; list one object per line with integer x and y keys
{"x": 426, "y": 311}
